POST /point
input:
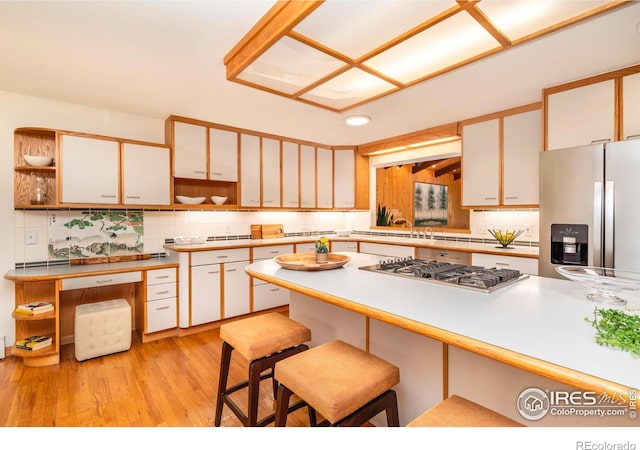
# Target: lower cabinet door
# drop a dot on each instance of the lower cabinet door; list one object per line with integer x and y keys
{"x": 161, "y": 315}
{"x": 236, "y": 289}
{"x": 205, "y": 294}
{"x": 269, "y": 295}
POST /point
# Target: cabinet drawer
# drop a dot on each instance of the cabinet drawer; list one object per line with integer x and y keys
{"x": 158, "y": 276}
{"x": 101, "y": 280}
{"x": 269, "y": 295}
{"x": 158, "y": 291}
{"x": 270, "y": 251}
{"x": 397, "y": 251}
{"x": 306, "y": 247}
{"x": 161, "y": 315}
{"x": 344, "y": 246}
{"x": 524, "y": 265}
{"x": 219, "y": 256}
{"x": 434, "y": 254}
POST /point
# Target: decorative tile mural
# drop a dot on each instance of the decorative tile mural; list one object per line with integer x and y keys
{"x": 98, "y": 233}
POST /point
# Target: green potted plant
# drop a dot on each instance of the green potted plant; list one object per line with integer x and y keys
{"x": 322, "y": 249}
{"x": 383, "y": 216}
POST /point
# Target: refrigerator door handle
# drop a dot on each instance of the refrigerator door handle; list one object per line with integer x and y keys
{"x": 597, "y": 224}
{"x": 609, "y": 195}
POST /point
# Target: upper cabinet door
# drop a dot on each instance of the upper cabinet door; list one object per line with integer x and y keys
{"x": 250, "y": 170}
{"x": 307, "y": 176}
{"x": 223, "y": 155}
{"x": 90, "y": 170}
{"x": 581, "y": 115}
{"x": 325, "y": 177}
{"x": 344, "y": 184}
{"x": 522, "y": 143}
{"x": 270, "y": 173}
{"x": 190, "y": 151}
{"x": 480, "y": 163}
{"x": 290, "y": 175}
{"x": 631, "y": 105}
{"x": 154, "y": 188}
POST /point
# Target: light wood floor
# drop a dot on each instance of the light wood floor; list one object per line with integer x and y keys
{"x": 169, "y": 382}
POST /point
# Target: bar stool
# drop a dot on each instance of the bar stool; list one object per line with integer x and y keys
{"x": 457, "y": 411}
{"x": 346, "y": 385}
{"x": 263, "y": 340}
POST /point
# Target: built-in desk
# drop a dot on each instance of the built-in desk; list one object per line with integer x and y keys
{"x": 144, "y": 284}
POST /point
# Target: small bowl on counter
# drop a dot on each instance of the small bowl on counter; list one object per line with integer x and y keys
{"x": 190, "y": 200}
{"x": 217, "y": 200}
{"x": 38, "y": 161}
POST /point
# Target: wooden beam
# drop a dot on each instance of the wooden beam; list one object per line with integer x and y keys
{"x": 276, "y": 23}
{"x": 449, "y": 168}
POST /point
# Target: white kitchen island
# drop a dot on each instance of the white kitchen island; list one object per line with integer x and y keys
{"x": 446, "y": 340}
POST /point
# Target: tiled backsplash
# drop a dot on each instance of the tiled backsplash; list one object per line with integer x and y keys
{"x": 58, "y": 235}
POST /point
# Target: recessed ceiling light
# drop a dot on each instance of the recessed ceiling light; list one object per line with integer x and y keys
{"x": 356, "y": 121}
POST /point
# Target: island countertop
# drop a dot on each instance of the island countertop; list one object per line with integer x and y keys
{"x": 536, "y": 324}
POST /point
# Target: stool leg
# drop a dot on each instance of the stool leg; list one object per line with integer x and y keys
{"x": 282, "y": 406}
{"x": 254, "y": 388}
{"x": 225, "y": 361}
{"x": 392, "y": 410}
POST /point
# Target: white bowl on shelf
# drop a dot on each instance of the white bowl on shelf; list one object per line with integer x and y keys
{"x": 189, "y": 200}
{"x": 198, "y": 239}
{"x": 217, "y": 200}
{"x": 38, "y": 161}
{"x": 181, "y": 240}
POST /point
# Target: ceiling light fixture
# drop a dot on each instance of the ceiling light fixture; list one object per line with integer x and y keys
{"x": 357, "y": 121}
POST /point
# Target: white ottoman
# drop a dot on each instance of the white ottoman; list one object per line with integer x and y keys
{"x": 102, "y": 328}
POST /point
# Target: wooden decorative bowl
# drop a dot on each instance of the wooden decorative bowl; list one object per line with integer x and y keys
{"x": 307, "y": 261}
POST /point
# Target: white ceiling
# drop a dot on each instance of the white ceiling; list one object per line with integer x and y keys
{"x": 157, "y": 58}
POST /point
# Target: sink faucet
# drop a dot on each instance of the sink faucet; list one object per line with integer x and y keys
{"x": 430, "y": 230}
{"x": 403, "y": 220}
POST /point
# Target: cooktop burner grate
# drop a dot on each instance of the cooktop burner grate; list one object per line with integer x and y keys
{"x": 472, "y": 277}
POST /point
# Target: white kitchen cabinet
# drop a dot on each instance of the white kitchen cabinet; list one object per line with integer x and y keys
{"x": 205, "y": 293}
{"x": 524, "y": 265}
{"x": 236, "y": 289}
{"x": 481, "y": 163}
{"x": 250, "y": 170}
{"x": 90, "y": 169}
{"x": 387, "y": 250}
{"x": 325, "y": 177}
{"x": 344, "y": 246}
{"x": 190, "y": 151}
{"x": 306, "y": 247}
{"x": 344, "y": 184}
{"x": 307, "y": 176}
{"x": 154, "y": 188}
{"x": 631, "y": 105}
{"x": 522, "y": 143}
{"x": 223, "y": 155}
{"x": 161, "y": 301}
{"x": 581, "y": 115}
{"x": 270, "y": 173}
{"x": 267, "y": 295}
{"x": 290, "y": 175}
{"x": 208, "y": 297}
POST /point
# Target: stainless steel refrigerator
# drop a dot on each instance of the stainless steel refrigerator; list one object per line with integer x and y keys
{"x": 590, "y": 207}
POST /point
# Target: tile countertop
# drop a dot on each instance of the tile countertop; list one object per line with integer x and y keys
{"x": 441, "y": 244}
{"x": 536, "y": 324}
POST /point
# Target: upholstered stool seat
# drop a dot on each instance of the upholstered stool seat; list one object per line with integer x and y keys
{"x": 346, "y": 385}
{"x": 263, "y": 340}
{"x": 457, "y": 411}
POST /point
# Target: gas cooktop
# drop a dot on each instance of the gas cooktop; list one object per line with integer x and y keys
{"x": 470, "y": 277}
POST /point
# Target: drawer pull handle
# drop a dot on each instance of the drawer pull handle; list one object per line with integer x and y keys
{"x": 162, "y": 276}
{"x": 216, "y": 173}
{"x": 512, "y": 197}
{"x": 275, "y": 252}
{"x": 222, "y": 256}
{"x": 274, "y": 289}
{"x": 231, "y": 270}
{"x": 104, "y": 281}
{"x": 162, "y": 292}
{"x": 107, "y": 196}
{"x": 601, "y": 141}
{"x": 491, "y": 198}
{"x": 501, "y": 264}
{"x": 198, "y": 171}
{"x": 161, "y": 308}
{"x": 214, "y": 271}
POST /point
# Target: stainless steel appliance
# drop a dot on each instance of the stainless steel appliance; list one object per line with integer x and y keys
{"x": 470, "y": 277}
{"x": 590, "y": 207}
